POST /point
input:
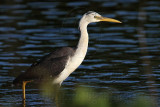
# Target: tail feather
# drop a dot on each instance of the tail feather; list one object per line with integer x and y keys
{"x": 18, "y": 80}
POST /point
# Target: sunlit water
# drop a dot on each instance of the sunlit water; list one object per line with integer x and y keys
{"x": 123, "y": 58}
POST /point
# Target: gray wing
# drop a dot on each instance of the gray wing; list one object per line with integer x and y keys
{"x": 50, "y": 65}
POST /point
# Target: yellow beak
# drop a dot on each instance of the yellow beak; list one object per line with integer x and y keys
{"x": 100, "y": 18}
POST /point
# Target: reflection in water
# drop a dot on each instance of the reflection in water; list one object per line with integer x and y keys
{"x": 115, "y": 60}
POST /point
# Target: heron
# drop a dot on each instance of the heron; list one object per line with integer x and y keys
{"x": 59, "y": 64}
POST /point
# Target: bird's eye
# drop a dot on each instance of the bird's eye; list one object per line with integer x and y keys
{"x": 97, "y": 17}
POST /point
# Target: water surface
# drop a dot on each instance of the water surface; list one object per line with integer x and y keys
{"x": 123, "y": 58}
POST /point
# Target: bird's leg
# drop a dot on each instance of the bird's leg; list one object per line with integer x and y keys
{"x": 23, "y": 88}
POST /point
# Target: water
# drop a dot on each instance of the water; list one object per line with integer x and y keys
{"x": 123, "y": 58}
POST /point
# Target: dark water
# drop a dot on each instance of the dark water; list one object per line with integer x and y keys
{"x": 123, "y": 58}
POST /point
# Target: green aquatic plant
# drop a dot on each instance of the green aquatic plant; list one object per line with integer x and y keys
{"x": 86, "y": 97}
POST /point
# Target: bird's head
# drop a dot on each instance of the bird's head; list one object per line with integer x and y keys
{"x": 91, "y": 16}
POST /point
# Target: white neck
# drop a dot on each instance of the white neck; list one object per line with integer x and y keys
{"x": 79, "y": 55}
{"x": 83, "y": 41}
